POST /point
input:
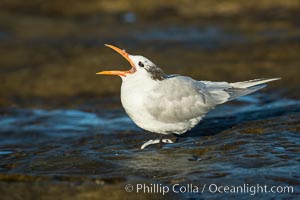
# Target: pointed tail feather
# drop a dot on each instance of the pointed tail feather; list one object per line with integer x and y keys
{"x": 243, "y": 88}
{"x": 247, "y": 84}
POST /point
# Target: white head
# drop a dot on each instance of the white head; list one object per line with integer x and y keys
{"x": 140, "y": 66}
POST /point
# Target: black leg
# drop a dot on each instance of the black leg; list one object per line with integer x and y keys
{"x": 160, "y": 142}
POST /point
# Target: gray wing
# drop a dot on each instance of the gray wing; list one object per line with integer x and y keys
{"x": 180, "y": 98}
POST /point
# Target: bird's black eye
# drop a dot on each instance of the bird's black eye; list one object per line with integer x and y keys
{"x": 141, "y": 64}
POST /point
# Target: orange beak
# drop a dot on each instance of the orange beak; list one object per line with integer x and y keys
{"x": 126, "y": 56}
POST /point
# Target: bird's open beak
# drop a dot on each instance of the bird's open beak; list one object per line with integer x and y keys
{"x": 126, "y": 56}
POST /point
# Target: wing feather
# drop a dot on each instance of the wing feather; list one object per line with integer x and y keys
{"x": 178, "y": 99}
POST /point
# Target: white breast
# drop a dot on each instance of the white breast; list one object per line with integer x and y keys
{"x": 135, "y": 97}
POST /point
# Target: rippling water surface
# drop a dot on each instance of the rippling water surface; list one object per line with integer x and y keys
{"x": 254, "y": 140}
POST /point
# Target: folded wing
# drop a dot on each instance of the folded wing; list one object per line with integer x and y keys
{"x": 178, "y": 99}
{"x": 181, "y": 98}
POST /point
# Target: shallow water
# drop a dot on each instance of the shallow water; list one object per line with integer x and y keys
{"x": 61, "y": 131}
{"x": 254, "y": 140}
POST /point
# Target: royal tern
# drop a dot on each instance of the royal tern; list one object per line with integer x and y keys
{"x": 171, "y": 104}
